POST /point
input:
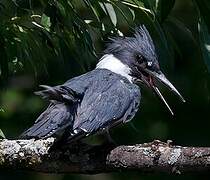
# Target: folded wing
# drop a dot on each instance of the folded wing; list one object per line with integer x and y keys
{"x": 106, "y": 106}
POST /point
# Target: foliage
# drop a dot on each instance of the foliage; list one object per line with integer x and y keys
{"x": 2, "y": 134}
{"x": 32, "y": 33}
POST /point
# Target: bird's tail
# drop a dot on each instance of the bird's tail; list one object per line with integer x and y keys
{"x": 52, "y": 122}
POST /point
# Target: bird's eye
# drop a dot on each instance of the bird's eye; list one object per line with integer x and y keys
{"x": 149, "y": 63}
{"x": 140, "y": 58}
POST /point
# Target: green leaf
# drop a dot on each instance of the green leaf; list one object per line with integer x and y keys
{"x": 2, "y": 110}
{"x": 172, "y": 27}
{"x": 45, "y": 21}
{"x": 124, "y": 10}
{"x": 183, "y": 29}
{"x": 61, "y": 8}
{"x": 204, "y": 10}
{"x": 109, "y": 10}
{"x": 2, "y": 134}
{"x": 4, "y": 60}
{"x": 95, "y": 7}
{"x": 204, "y": 37}
{"x": 164, "y": 8}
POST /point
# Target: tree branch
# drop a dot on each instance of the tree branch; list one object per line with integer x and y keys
{"x": 155, "y": 156}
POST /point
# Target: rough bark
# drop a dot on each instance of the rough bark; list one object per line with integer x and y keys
{"x": 37, "y": 155}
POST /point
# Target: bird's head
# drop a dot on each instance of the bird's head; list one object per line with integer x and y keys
{"x": 138, "y": 55}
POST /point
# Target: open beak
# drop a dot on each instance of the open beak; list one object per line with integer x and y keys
{"x": 161, "y": 78}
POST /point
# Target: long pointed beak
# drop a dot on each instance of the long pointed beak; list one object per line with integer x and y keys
{"x": 161, "y": 78}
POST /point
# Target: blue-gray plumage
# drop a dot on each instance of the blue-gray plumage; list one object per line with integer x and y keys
{"x": 101, "y": 100}
{"x": 104, "y": 97}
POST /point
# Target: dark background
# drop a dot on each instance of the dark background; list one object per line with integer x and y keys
{"x": 48, "y": 42}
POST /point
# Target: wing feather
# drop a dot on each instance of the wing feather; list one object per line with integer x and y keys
{"x": 101, "y": 108}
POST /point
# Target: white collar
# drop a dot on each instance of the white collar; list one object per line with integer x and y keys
{"x": 110, "y": 62}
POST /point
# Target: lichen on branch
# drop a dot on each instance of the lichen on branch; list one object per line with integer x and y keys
{"x": 37, "y": 155}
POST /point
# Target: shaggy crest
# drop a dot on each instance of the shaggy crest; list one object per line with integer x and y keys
{"x": 141, "y": 42}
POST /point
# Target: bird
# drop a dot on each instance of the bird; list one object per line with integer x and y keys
{"x": 105, "y": 97}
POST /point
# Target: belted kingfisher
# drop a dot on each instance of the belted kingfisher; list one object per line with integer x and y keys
{"x": 104, "y": 97}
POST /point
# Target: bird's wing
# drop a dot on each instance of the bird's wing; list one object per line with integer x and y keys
{"x": 106, "y": 106}
{"x": 59, "y": 116}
